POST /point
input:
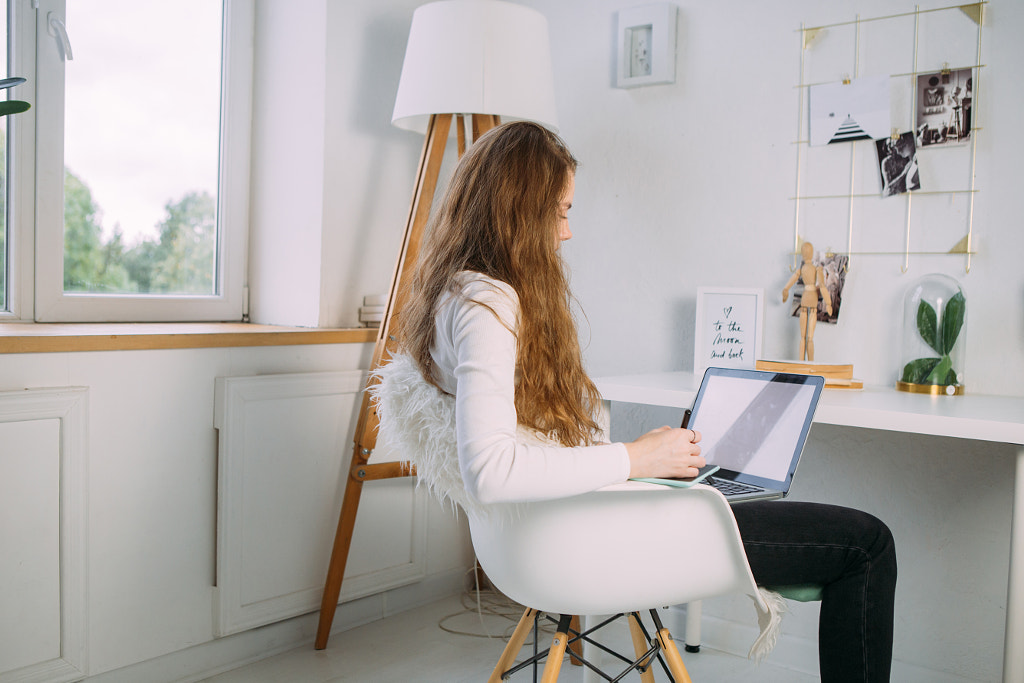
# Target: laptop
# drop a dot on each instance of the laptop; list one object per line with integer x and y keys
{"x": 753, "y": 426}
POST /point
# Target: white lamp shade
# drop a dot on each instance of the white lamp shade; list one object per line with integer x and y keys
{"x": 476, "y": 57}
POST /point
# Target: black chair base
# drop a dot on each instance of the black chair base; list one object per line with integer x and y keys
{"x": 647, "y": 649}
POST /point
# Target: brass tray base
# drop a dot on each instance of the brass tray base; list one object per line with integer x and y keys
{"x": 932, "y": 389}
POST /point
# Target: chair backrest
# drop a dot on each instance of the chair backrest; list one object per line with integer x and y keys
{"x": 627, "y": 547}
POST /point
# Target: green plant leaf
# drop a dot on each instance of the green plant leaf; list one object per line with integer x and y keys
{"x": 10, "y": 82}
{"x": 13, "y": 107}
{"x": 952, "y": 321}
{"x": 916, "y": 371}
{"x": 940, "y": 373}
{"x": 926, "y": 325}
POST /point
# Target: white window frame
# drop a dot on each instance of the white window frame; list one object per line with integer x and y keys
{"x": 20, "y": 164}
{"x": 48, "y": 302}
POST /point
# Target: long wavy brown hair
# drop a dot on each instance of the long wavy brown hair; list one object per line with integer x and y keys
{"x": 499, "y": 217}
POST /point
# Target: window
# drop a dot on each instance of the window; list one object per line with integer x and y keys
{"x": 141, "y": 156}
{"x": 4, "y": 240}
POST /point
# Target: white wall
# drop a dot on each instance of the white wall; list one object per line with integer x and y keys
{"x": 686, "y": 184}
{"x": 287, "y": 182}
{"x": 369, "y": 165}
{"x": 690, "y": 184}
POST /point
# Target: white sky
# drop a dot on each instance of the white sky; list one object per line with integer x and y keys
{"x": 142, "y": 110}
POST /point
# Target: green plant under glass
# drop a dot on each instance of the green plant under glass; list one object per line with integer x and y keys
{"x": 934, "y": 316}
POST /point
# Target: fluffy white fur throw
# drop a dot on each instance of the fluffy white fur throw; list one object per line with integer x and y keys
{"x": 770, "y": 623}
{"x": 418, "y": 420}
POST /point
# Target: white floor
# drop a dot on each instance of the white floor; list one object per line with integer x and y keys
{"x": 447, "y": 642}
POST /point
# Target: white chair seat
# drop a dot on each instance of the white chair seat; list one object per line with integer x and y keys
{"x": 629, "y": 547}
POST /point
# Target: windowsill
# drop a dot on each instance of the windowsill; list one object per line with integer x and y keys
{"x": 65, "y": 337}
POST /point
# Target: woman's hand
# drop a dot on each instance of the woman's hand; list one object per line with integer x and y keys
{"x": 665, "y": 453}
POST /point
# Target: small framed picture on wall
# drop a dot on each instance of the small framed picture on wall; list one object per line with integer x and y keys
{"x": 646, "y": 47}
{"x": 730, "y": 328}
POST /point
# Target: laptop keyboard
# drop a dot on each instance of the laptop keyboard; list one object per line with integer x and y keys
{"x": 731, "y": 488}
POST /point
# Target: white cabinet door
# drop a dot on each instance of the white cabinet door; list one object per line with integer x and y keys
{"x": 42, "y": 535}
{"x": 285, "y": 442}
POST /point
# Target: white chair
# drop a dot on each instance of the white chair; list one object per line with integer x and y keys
{"x": 620, "y": 550}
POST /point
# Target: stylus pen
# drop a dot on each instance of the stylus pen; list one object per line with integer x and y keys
{"x": 686, "y": 417}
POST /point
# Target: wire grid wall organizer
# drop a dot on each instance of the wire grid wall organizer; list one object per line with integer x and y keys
{"x": 937, "y": 219}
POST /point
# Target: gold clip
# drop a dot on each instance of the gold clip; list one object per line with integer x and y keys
{"x": 895, "y": 135}
{"x": 846, "y": 79}
{"x": 811, "y": 35}
{"x": 973, "y": 11}
{"x": 945, "y": 69}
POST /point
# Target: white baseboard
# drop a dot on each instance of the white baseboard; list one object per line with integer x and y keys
{"x": 224, "y": 654}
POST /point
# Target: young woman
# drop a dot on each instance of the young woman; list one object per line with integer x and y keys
{"x": 488, "y": 321}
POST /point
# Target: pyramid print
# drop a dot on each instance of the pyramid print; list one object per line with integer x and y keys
{"x": 850, "y": 130}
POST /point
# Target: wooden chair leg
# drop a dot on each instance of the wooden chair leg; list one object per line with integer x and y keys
{"x": 515, "y": 644}
{"x": 640, "y": 646}
{"x": 672, "y": 657}
{"x": 671, "y": 652}
{"x": 557, "y": 652}
{"x": 576, "y": 646}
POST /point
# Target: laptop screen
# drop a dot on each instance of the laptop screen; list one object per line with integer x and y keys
{"x": 755, "y": 423}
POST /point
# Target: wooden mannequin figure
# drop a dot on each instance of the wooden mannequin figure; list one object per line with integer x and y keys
{"x": 814, "y": 281}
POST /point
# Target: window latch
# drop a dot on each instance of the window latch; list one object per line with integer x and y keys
{"x": 55, "y": 27}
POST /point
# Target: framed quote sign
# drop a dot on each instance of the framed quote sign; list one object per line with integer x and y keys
{"x": 729, "y": 329}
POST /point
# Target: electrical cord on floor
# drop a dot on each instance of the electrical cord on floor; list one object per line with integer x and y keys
{"x": 497, "y": 615}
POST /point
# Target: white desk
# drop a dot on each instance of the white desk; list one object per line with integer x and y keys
{"x": 983, "y": 418}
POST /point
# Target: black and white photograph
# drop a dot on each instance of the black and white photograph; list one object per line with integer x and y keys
{"x": 849, "y": 110}
{"x": 944, "y": 107}
{"x": 897, "y": 164}
{"x": 833, "y": 268}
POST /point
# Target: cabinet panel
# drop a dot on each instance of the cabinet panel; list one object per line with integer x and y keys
{"x": 42, "y": 529}
{"x": 30, "y": 537}
{"x": 284, "y": 446}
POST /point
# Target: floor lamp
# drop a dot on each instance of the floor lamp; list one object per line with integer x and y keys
{"x": 487, "y": 57}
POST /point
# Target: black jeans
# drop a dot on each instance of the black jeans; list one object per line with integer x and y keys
{"x": 852, "y": 555}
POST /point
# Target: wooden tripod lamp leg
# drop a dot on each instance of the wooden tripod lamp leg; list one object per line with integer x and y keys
{"x": 366, "y": 426}
{"x": 339, "y": 557}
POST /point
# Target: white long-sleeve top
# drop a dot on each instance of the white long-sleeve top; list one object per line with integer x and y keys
{"x": 474, "y": 356}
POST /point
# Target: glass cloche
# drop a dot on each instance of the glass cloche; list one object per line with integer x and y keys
{"x": 933, "y": 346}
